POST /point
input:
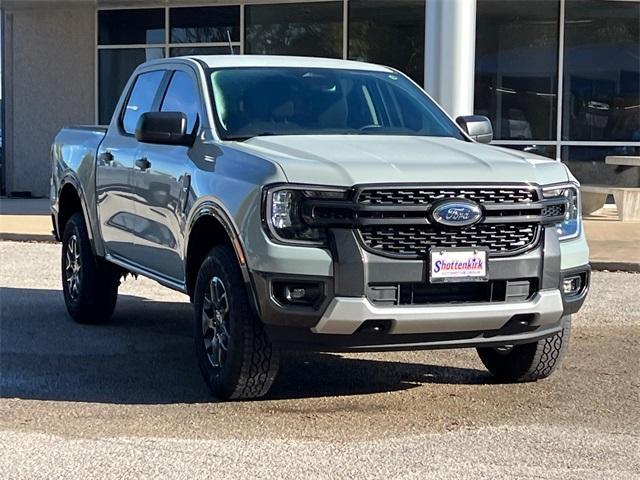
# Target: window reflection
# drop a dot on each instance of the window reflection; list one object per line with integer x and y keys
{"x": 589, "y": 167}
{"x": 548, "y": 151}
{"x": 307, "y": 29}
{"x": 141, "y": 99}
{"x": 602, "y": 71}
{"x": 390, "y": 32}
{"x": 187, "y": 51}
{"x": 205, "y": 24}
{"x": 131, "y": 27}
{"x": 182, "y": 96}
{"x": 516, "y": 67}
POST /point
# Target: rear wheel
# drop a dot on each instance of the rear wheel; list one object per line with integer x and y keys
{"x": 90, "y": 285}
{"x": 528, "y": 362}
{"x": 235, "y": 355}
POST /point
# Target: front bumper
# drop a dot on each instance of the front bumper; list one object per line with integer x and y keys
{"x": 346, "y": 316}
{"x": 349, "y": 317}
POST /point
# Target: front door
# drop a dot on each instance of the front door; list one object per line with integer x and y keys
{"x": 161, "y": 178}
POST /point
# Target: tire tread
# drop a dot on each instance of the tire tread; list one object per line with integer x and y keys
{"x": 529, "y": 362}
{"x": 253, "y": 373}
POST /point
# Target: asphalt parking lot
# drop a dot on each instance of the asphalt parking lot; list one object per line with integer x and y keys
{"x": 126, "y": 400}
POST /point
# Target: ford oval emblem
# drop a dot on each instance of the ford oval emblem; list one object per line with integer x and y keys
{"x": 457, "y": 213}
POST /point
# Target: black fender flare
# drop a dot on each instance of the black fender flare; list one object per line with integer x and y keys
{"x": 71, "y": 179}
{"x": 212, "y": 209}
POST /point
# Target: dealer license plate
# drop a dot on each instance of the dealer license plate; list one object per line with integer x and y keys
{"x": 457, "y": 265}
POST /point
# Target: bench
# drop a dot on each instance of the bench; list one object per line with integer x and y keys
{"x": 627, "y": 200}
{"x": 622, "y": 160}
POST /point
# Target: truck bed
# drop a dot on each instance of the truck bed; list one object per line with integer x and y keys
{"x": 73, "y": 156}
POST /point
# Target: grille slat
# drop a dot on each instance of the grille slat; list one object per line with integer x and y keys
{"x": 415, "y": 241}
{"x": 409, "y": 241}
{"x": 424, "y": 196}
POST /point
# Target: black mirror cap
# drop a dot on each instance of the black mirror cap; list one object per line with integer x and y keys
{"x": 165, "y": 128}
{"x": 478, "y": 127}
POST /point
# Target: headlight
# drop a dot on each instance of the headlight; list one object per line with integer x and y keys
{"x": 570, "y": 227}
{"x": 284, "y": 212}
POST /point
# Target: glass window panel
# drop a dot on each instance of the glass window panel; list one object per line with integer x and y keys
{"x": 188, "y": 51}
{"x": 131, "y": 26}
{"x": 308, "y": 29}
{"x": 548, "y": 151}
{"x": 601, "y": 98}
{"x": 182, "y": 96}
{"x": 115, "y": 66}
{"x": 517, "y": 67}
{"x": 321, "y": 101}
{"x": 589, "y": 167}
{"x": 141, "y": 99}
{"x": 204, "y": 24}
{"x": 389, "y": 32}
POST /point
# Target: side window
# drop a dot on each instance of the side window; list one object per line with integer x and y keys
{"x": 182, "y": 96}
{"x": 141, "y": 99}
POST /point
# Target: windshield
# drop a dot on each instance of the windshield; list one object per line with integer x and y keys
{"x": 258, "y": 101}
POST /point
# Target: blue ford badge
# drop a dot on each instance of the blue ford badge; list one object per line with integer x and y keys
{"x": 457, "y": 213}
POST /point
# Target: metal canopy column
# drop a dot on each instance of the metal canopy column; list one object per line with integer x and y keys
{"x": 450, "y": 39}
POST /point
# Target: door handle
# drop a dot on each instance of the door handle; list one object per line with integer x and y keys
{"x": 143, "y": 164}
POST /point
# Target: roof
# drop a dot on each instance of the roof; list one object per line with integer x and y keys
{"x": 222, "y": 61}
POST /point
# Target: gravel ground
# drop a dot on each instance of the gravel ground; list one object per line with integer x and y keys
{"x": 126, "y": 400}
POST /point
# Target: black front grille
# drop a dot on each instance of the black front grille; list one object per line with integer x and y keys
{"x": 415, "y": 241}
{"x": 391, "y": 221}
{"x": 464, "y": 292}
{"x": 423, "y": 196}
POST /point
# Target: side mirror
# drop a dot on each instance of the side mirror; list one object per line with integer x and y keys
{"x": 477, "y": 127}
{"x": 165, "y": 128}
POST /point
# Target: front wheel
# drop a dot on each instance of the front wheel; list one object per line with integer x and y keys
{"x": 235, "y": 355}
{"x": 528, "y": 362}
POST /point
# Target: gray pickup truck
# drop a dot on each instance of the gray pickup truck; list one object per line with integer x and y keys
{"x": 318, "y": 204}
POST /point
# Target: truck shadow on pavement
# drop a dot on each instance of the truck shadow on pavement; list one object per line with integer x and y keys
{"x": 145, "y": 356}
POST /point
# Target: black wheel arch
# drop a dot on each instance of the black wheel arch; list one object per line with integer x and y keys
{"x": 211, "y": 226}
{"x": 70, "y": 200}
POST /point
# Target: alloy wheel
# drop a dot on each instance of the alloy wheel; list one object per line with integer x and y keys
{"x": 215, "y": 322}
{"x": 73, "y": 266}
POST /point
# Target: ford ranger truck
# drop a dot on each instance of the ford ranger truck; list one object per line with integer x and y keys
{"x": 318, "y": 204}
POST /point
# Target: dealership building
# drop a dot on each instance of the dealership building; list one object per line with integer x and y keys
{"x": 557, "y": 77}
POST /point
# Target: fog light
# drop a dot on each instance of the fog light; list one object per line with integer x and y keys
{"x": 298, "y": 293}
{"x": 293, "y": 294}
{"x": 571, "y": 285}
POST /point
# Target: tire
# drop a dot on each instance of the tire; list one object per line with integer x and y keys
{"x": 235, "y": 355}
{"x": 528, "y": 362}
{"x": 90, "y": 285}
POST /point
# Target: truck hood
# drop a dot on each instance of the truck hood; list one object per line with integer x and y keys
{"x": 345, "y": 160}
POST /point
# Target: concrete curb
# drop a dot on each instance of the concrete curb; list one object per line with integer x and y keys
{"x": 26, "y": 237}
{"x": 630, "y": 267}
{"x": 597, "y": 265}
{"x": 611, "y": 266}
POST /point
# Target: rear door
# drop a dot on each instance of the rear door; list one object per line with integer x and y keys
{"x": 162, "y": 180}
{"x": 115, "y": 161}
